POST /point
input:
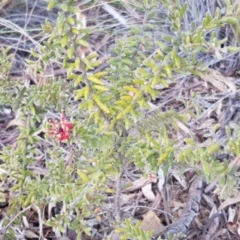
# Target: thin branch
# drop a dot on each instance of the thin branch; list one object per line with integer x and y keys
{"x": 117, "y": 197}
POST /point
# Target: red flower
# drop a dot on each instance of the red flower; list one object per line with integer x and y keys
{"x": 66, "y": 126}
{"x": 63, "y": 136}
{"x": 60, "y": 130}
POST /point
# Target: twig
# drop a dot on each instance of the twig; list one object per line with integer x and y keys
{"x": 209, "y": 224}
{"x": 151, "y": 208}
{"x": 136, "y": 203}
{"x": 108, "y": 8}
{"x": 165, "y": 204}
{"x": 117, "y": 197}
{"x": 4, "y": 230}
{"x": 211, "y": 185}
{"x": 40, "y": 222}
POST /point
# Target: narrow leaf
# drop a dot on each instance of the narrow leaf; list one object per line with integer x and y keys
{"x": 100, "y": 104}
{"x": 95, "y": 80}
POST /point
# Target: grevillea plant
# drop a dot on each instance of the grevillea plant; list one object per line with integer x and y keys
{"x": 60, "y": 129}
{"x": 113, "y": 123}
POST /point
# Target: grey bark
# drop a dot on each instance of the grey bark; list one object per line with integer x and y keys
{"x": 190, "y": 210}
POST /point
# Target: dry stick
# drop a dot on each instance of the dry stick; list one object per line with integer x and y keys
{"x": 40, "y": 222}
{"x": 139, "y": 195}
{"x": 152, "y": 208}
{"x": 117, "y": 197}
{"x": 4, "y": 230}
{"x": 206, "y": 227}
{"x": 165, "y": 204}
{"x": 211, "y": 185}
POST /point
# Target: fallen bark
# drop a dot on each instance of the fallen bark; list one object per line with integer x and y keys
{"x": 190, "y": 210}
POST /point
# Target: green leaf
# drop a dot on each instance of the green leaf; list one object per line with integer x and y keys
{"x": 73, "y": 9}
{"x": 100, "y": 104}
{"x": 78, "y": 80}
{"x": 134, "y": 115}
{"x": 162, "y": 157}
{"x": 231, "y": 20}
{"x": 71, "y": 20}
{"x": 64, "y": 7}
{"x": 183, "y": 10}
{"x": 82, "y": 175}
{"x": 154, "y": 81}
{"x": 86, "y": 92}
{"x": 95, "y": 80}
{"x": 92, "y": 55}
{"x": 149, "y": 63}
{"x": 100, "y": 88}
{"x": 51, "y": 5}
{"x": 127, "y": 109}
{"x": 90, "y": 106}
{"x": 80, "y": 94}
{"x": 130, "y": 89}
{"x": 99, "y": 74}
{"x": 213, "y": 149}
{"x": 61, "y": 228}
{"x": 216, "y": 127}
{"x": 228, "y": 131}
{"x": 70, "y": 52}
{"x": 34, "y": 53}
{"x": 75, "y": 31}
{"x": 82, "y": 42}
{"x": 233, "y": 49}
{"x": 127, "y": 98}
{"x": 77, "y": 63}
{"x": 166, "y": 3}
{"x": 174, "y": 52}
{"x": 177, "y": 62}
{"x": 217, "y": 13}
{"x": 70, "y": 69}
{"x": 163, "y": 82}
{"x": 127, "y": 61}
{"x": 138, "y": 95}
{"x": 87, "y": 62}
{"x": 168, "y": 71}
{"x": 127, "y": 123}
{"x": 121, "y": 103}
{"x": 161, "y": 45}
{"x": 84, "y": 105}
{"x": 207, "y": 19}
{"x": 33, "y": 109}
{"x": 197, "y": 73}
{"x": 206, "y": 167}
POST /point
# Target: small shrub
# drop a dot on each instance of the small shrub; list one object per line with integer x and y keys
{"x": 114, "y": 123}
